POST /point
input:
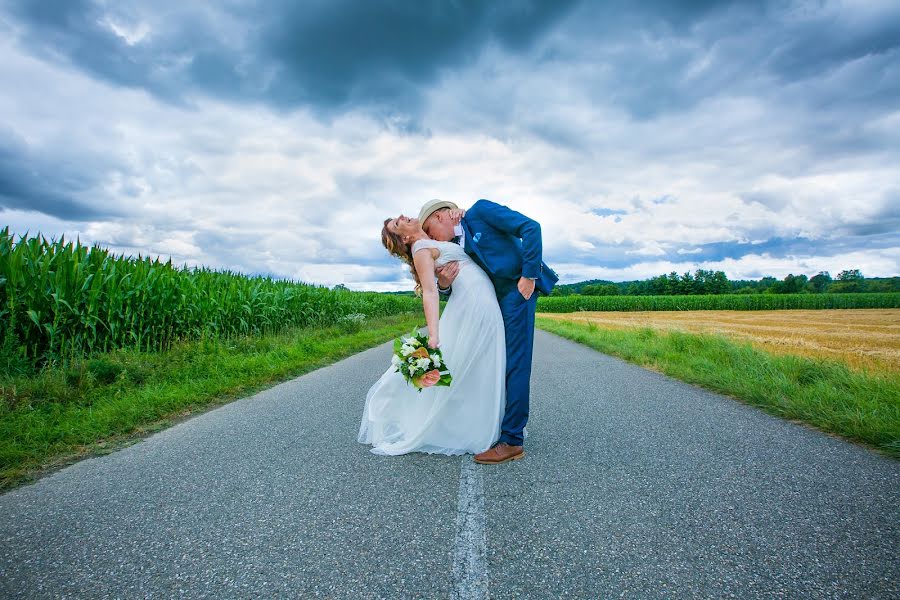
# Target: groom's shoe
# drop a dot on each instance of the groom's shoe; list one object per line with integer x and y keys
{"x": 500, "y": 453}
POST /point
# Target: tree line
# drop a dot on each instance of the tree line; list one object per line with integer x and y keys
{"x": 702, "y": 282}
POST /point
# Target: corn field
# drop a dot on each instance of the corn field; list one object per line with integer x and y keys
{"x": 62, "y": 299}
{"x": 566, "y": 304}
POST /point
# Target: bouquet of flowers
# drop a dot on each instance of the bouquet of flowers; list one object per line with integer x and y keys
{"x": 420, "y": 365}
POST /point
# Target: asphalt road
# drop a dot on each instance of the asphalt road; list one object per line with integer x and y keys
{"x": 634, "y": 485}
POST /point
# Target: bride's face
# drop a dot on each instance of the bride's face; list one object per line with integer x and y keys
{"x": 403, "y": 226}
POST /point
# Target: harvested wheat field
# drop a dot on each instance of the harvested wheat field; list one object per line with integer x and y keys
{"x": 863, "y": 338}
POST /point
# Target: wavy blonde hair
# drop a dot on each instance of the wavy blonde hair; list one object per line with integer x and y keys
{"x": 397, "y": 247}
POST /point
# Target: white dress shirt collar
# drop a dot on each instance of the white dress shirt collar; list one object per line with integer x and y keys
{"x": 458, "y": 231}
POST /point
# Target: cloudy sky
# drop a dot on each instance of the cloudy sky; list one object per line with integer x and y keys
{"x": 757, "y": 138}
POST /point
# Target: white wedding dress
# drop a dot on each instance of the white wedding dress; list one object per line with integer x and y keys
{"x": 464, "y": 417}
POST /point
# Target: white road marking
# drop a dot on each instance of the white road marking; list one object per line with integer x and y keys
{"x": 470, "y": 574}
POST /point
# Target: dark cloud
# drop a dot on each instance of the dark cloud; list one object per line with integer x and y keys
{"x": 876, "y": 222}
{"x": 663, "y": 57}
{"x": 56, "y": 186}
{"x": 869, "y": 236}
{"x": 781, "y": 248}
{"x": 381, "y": 55}
{"x": 72, "y": 32}
{"x": 643, "y": 52}
{"x": 823, "y": 41}
{"x": 343, "y": 52}
{"x": 618, "y": 257}
{"x": 186, "y": 52}
{"x": 328, "y": 55}
{"x": 610, "y": 256}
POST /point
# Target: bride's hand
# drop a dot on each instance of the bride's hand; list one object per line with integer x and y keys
{"x": 434, "y": 342}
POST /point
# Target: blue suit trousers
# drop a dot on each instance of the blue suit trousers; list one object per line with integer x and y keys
{"x": 518, "y": 322}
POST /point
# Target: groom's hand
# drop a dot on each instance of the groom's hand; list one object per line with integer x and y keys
{"x": 447, "y": 273}
{"x": 456, "y": 215}
{"x": 526, "y": 287}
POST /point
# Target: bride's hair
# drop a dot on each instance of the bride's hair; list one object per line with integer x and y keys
{"x": 397, "y": 247}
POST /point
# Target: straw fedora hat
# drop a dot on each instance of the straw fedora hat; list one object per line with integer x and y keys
{"x": 433, "y": 205}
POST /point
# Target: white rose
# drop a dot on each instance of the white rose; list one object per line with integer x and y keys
{"x": 406, "y": 349}
{"x": 423, "y": 363}
{"x": 395, "y": 360}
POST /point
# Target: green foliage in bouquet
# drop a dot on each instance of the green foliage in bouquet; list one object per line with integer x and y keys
{"x": 420, "y": 365}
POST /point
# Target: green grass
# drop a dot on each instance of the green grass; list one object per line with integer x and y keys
{"x": 564, "y": 304}
{"x": 95, "y": 406}
{"x": 860, "y": 406}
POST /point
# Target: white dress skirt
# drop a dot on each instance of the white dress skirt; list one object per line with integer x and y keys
{"x": 464, "y": 417}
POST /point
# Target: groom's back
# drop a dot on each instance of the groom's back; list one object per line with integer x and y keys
{"x": 496, "y": 234}
{"x": 501, "y": 250}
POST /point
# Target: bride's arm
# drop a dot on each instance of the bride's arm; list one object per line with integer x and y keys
{"x": 424, "y": 262}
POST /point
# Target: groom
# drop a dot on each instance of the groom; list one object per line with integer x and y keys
{"x": 507, "y": 245}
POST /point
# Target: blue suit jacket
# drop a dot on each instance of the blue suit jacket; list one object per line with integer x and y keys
{"x": 507, "y": 245}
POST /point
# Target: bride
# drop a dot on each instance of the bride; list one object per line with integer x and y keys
{"x": 466, "y": 416}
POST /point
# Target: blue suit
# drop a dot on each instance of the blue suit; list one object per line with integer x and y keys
{"x": 507, "y": 245}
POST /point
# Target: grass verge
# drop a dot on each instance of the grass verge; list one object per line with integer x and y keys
{"x": 57, "y": 417}
{"x": 860, "y": 406}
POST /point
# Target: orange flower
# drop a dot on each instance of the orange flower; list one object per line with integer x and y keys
{"x": 430, "y": 378}
{"x": 421, "y": 352}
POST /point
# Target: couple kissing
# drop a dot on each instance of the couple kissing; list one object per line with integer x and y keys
{"x": 486, "y": 261}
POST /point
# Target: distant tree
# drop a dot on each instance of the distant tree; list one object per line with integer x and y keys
{"x": 848, "y": 282}
{"x": 766, "y": 284}
{"x": 340, "y": 287}
{"x": 561, "y": 290}
{"x": 882, "y": 285}
{"x": 634, "y": 289}
{"x": 659, "y": 285}
{"x": 610, "y": 290}
{"x": 673, "y": 284}
{"x": 718, "y": 283}
{"x": 796, "y": 284}
{"x": 600, "y": 290}
{"x": 876, "y": 285}
{"x": 743, "y": 287}
{"x": 687, "y": 285}
{"x": 701, "y": 281}
{"x": 792, "y": 284}
{"x": 711, "y": 282}
{"x": 819, "y": 283}
{"x": 850, "y": 275}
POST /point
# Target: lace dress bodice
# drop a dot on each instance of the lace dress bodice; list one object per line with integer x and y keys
{"x": 449, "y": 251}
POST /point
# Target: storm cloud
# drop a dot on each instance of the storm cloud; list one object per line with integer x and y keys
{"x": 328, "y": 55}
{"x": 55, "y": 183}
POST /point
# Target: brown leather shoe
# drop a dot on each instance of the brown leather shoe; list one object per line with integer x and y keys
{"x": 500, "y": 453}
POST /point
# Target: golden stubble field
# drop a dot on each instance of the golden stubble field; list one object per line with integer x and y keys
{"x": 863, "y": 338}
